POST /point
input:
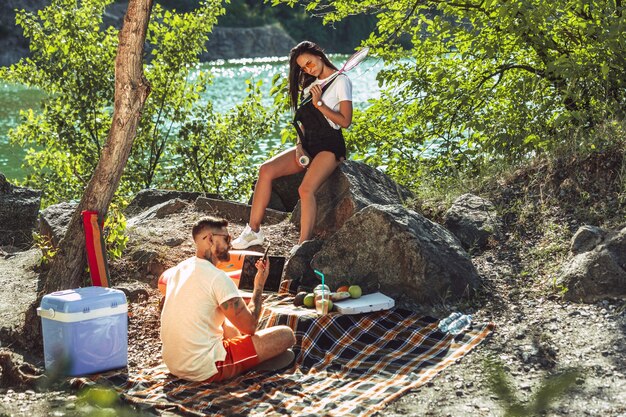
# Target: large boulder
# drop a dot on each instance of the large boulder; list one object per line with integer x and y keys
{"x": 255, "y": 42}
{"x": 19, "y": 208}
{"x": 13, "y": 44}
{"x": 54, "y": 219}
{"x": 350, "y": 188}
{"x": 597, "y": 271}
{"x": 586, "y": 238}
{"x": 159, "y": 211}
{"x": 236, "y": 212}
{"x": 298, "y": 267}
{"x": 284, "y": 192}
{"x": 473, "y": 220}
{"x": 400, "y": 253}
{"x": 224, "y": 43}
{"x": 150, "y": 197}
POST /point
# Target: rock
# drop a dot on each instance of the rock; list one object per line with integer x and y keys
{"x": 400, "y": 253}
{"x": 350, "y": 188}
{"x": 168, "y": 208}
{"x": 473, "y": 220}
{"x": 53, "y": 221}
{"x": 284, "y": 192}
{"x": 16, "y": 372}
{"x": 236, "y": 212}
{"x": 19, "y": 208}
{"x": 13, "y": 45}
{"x": 224, "y": 43}
{"x": 5, "y": 186}
{"x": 148, "y": 261}
{"x": 275, "y": 202}
{"x": 175, "y": 241}
{"x": 158, "y": 212}
{"x": 601, "y": 273}
{"x": 287, "y": 190}
{"x": 134, "y": 291}
{"x": 149, "y": 198}
{"x": 298, "y": 267}
{"x": 255, "y": 42}
{"x": 586, "y": 238}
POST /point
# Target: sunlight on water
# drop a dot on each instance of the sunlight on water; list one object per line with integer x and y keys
{"x": 14, "y": 98}
{"x": 227, "y": 89}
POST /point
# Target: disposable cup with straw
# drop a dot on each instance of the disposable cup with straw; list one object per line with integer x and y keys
{"x": 322, "y": 297}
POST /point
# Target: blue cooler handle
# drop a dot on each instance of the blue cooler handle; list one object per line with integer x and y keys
{"x": 46, "y": 314}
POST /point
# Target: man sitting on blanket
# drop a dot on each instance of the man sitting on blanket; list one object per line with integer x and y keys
{"x": 208, "y": 332}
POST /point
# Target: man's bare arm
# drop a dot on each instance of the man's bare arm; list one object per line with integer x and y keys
{"x": 239, "y": 315}
{"x": 243, "y": 317}
{"x": 256, "y": 302}
{"x": 234, "y": 304}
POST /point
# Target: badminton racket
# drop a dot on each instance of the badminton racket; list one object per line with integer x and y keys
{"x": 354, "y": 60}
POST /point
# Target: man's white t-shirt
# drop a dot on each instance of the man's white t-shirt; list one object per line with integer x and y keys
{"x": 340, "y": 90}
{"x": 191, "y": 320}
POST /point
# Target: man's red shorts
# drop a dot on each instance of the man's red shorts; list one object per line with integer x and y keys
{"x": 240, "y": 357}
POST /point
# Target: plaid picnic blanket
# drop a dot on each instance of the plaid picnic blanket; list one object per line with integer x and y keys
{"x": 345, "y": 365}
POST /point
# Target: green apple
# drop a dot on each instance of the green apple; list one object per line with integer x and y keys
{"x": 355, "y": 291}
{"x": 309, "y": 300}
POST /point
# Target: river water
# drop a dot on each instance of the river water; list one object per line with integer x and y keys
{"x": 227, "y": 90}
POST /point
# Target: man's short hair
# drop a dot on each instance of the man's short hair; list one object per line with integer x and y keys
{"x": 212, "y": 223}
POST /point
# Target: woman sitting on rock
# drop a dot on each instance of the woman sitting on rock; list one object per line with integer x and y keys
{"x": 325, "y": 108}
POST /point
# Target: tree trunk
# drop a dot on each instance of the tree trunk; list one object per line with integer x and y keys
{"x": 131, "y": 92}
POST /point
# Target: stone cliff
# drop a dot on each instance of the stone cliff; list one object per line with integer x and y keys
{"x": 224, "y": 43}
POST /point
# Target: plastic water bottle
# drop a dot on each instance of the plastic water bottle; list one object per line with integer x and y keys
{"x": 304, "y": 160}
{"x": 460, "y": 324}
{"x": 444, "y": 323}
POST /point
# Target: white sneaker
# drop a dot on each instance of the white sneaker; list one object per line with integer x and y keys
{"x": 248, "y": 238}
{"x": 294, "y": 249}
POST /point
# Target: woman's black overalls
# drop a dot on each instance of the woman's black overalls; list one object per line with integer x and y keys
{"x": 318, "y": 134}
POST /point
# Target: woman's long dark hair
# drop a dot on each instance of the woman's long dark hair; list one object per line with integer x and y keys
{"x": 299, "y": 79}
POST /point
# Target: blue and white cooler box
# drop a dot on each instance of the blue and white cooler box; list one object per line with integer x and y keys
{"x": 85, "y": 330}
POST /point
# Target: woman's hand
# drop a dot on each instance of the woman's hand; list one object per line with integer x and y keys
{"x": 299, "y": 153}
{"x": 316, "y": 94}
{"x": 343, "y": 117}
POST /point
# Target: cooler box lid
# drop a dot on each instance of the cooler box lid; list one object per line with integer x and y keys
{"x": 367, "y": 303}
{"x": 82, "y": 304}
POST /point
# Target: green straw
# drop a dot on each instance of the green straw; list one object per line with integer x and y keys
{"x": 323, "y": 286}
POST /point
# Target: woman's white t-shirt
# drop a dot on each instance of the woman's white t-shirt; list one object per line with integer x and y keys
{"x": 340, "y": 90}
{"x": 191, "y": 320}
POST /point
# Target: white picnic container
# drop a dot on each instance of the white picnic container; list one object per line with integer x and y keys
{"x": 367, "y": 303}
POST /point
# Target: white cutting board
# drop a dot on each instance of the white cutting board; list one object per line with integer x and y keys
{"x": 369, "y": 302}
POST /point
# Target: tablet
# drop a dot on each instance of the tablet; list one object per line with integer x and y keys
{"x": 248, "y": 271}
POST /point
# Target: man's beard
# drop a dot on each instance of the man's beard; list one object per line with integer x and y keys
{"x": 223, "y": 255}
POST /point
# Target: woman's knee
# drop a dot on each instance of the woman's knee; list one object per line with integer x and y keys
{"x": 265, "y": 171}
{"x": 305, "y": 191}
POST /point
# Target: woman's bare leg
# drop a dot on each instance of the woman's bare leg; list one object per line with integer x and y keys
{"x": 282, "y": 164}
{"x": 320, "y": 169}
